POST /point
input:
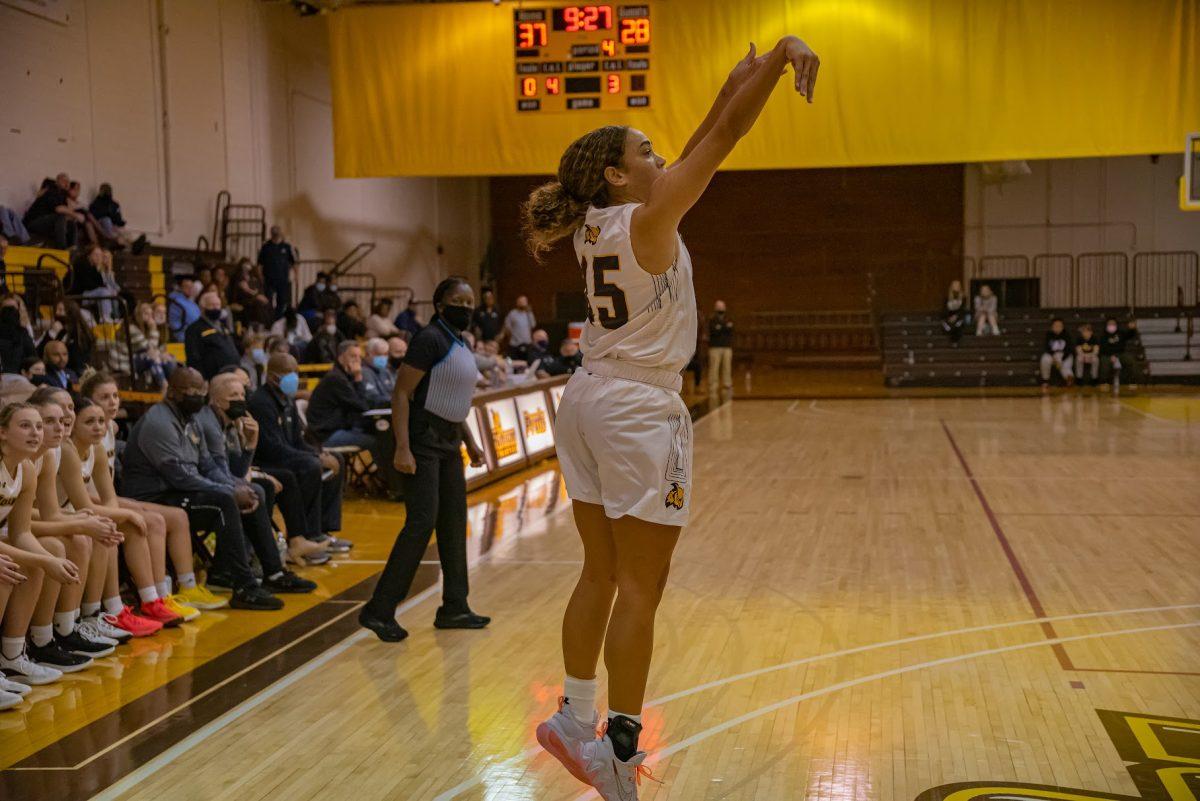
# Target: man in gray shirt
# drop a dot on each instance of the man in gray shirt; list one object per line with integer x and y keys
{"x": 167, "y": 461}
{"x": 230, "y": 437}
{"x": 519, "y": 325}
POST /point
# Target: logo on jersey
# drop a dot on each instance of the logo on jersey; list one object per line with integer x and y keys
{"x": 591, "y": 234}
{"x": 675, "y": 497}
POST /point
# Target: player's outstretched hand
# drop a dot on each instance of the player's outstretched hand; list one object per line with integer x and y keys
{"x": 743, "y": 69}
{"x": 805, "y": 62}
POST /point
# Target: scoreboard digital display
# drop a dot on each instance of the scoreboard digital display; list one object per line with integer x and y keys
{"x": 575, "y": 58}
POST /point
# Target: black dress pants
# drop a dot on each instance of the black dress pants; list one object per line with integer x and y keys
{"x": 232, "y": 555}
{"x": 311, "y": 506}
{"x": 435, "y": 497}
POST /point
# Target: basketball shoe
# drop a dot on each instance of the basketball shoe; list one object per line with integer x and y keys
{"x": 563, "y": 736}
{"x": 613, "y": 779}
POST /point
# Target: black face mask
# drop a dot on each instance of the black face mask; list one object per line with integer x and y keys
{"x": 190, "y": 404}
{"x": 213, "y": 314}
{"x": 396, "y": 361}
{"x": 237, "y": 408}
{"x": 457, "y": 317}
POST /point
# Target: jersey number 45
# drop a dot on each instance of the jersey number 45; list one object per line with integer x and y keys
{"x": 618, "y": 315}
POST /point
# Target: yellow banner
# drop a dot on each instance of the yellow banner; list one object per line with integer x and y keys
{"x": 429, "y": 89}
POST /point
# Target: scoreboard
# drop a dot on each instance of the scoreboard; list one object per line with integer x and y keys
{"x": 574, "y": 58}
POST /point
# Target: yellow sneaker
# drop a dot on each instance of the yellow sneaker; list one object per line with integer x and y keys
{"x": 200, "y": 597}
{"x": 186, "y": 612}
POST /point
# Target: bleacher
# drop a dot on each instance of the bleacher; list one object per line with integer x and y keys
{"x": 917, "y": 352}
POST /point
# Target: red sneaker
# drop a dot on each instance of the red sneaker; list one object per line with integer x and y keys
{"x": 136, "y": 625}
{"x": 157, "y": 610}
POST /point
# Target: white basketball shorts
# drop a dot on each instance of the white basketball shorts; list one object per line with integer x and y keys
{"x": 627, "y": 446}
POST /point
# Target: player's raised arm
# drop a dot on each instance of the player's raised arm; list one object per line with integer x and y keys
{"x": 677, "y": 190}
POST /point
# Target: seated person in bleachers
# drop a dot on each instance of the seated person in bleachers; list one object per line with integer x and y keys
{"x": 324, "y": 346}
{"x": 319, "y": 296}
{"x": 254, "y": 356}
{"x": 350, "y": 320}
{"x": 209, "y": 342}
{"x": 72, "y": 325}
{"x": 34, "y": 370}
{"x": 182, "y": 310}
{"x": 293, "y": 328}
{"x": 380, "y": 323}
{"x": 986, "y": 311}
{"x": 58, "y": 373}
{"x": 539, "y": 346}
{"x": 220, "y": 277}
{"x": 249, "y": 291}
{"x": 166, "y": 461}
{"x": 954, "y": 312}
{"x": 284, "y": 453}
{"x": 231, "y": 436}
{"x": 1058, "y": 354}
{"x": 407, "y": 320}
{"x": 16, "y": 346}
{"x": 335, "y": 414}
{"x": 1087, "y": 357}
{"x": 51, "y": 216}
{"x": 566, "y": 362}
{"x": 378, "y": 380}
{"x": 149, "y": 355}
{"x": 397, "y": 348}
{"x": 107, "y": 212}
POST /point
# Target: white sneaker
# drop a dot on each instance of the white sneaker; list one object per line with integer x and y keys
{"x": 89, "y": 631}
{"x": 613, "y": 779}
{"x": 8, "y": 699}
{"x": 562, "y": 736}
{"x": 26, "y": 671}
{"x": 15, "y": 687}
{"x": 103, "y": 629}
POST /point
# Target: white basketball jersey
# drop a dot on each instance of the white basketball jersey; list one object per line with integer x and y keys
{"x": 635, "y": 317}
{"x": 10, "y": 488}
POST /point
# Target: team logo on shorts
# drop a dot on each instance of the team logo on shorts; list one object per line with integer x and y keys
{"x": 675, "y": 497}
{"x": 591, "y": 234}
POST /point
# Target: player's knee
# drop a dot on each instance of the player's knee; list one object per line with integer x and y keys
{"x": 603, "y": 574}
{"x": 80, "y": 547}
{"x": 54, "y": 546}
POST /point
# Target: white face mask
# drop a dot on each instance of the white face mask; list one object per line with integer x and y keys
{"x": 320, "y": 287}
{"x": 333, "y": 287}
{"x": 331, "y": 329}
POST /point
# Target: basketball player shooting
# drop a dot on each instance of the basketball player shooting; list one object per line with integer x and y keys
{"x": 624, "y": 434}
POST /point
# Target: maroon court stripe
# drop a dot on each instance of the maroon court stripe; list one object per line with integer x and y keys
{"x": 1031, "y": 595}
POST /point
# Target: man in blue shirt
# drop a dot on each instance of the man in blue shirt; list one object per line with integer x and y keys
{"x": 182, "y": 311}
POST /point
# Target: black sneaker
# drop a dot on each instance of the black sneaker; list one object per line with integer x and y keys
{"x": 76, "y": 643}
{"x": 256, "y": 598}
{"x": 51, "y": 655}
{"x": 385, "y": 626}
{"x": 460, "y": 620}
{"x": 287, "y": 581}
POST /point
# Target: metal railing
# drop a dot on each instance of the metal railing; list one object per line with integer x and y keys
{"x": 239, "y": 229}
{"x": 1111, "y": 278}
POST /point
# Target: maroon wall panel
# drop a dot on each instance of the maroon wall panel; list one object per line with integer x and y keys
{"x": 783, "y": 240}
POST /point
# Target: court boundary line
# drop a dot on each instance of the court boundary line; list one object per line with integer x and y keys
{"x": 532, "y": 751}
{"x": 1010, "y": 554}
{"x": 688, "y": 742}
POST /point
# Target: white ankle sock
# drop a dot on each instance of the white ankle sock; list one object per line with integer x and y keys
{"x": 90, "y": 609}
{"x": 581, "y": 695}
{"x": 186, "y": 580}
{"x": 612, "y": 713}
{"x": 164, "y": 587}
{"x": 11, "y": 647}
{"x": 148, "y": 594}
{"x": 41, "y": 635}
{"x": 64, "y": 622}
{"x": 113, "y": 605}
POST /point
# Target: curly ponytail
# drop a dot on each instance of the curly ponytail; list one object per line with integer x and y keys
{"x": 556, "y": 209}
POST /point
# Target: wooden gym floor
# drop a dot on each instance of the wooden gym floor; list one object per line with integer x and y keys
{"x": 986, "y": 598}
